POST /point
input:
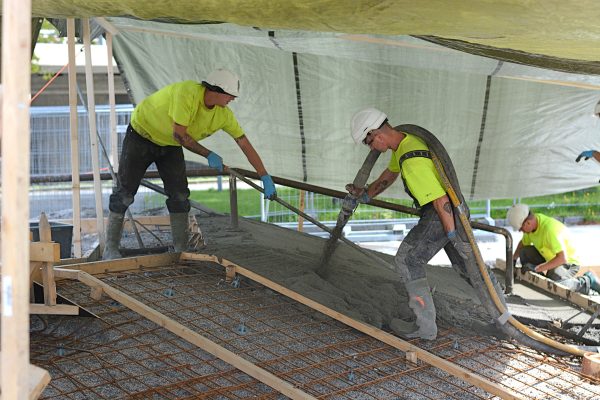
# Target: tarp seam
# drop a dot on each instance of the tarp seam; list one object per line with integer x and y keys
{"x": 300, "y": 116}
{"x": 482, "y": 128}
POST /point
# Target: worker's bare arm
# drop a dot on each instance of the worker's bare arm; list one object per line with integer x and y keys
{"x": 182, "y": 137}
{"x": 557, "y": 261}
{"x": 379, "y": 185}
{"x": 444, "y": 210}
{"x": 251, "y": 154}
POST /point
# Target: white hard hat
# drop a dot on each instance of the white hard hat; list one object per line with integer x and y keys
{"x": 517, "y": 214}
{"x": 597, "y": 109}
{"x": 364, "y": 121}
{"x": 223, "y": 81}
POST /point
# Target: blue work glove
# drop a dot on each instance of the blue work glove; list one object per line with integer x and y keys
{"x": 269, "y": 186}
{"x": 215, "y": 161}
{"x": 463, "y": 248}
{"x": 585, "y": 154}
{"x": 350, "y": 202}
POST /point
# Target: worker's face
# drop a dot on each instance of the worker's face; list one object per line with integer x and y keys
{"x": 527, "y": 225}
{"x": 373, "y": 140}
{"x": 223, "y": 99}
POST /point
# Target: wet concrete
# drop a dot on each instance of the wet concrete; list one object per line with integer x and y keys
{"x": 360, "y": 286}
{"x": 367, "y": 288}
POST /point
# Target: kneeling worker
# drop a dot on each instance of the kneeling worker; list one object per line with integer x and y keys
{"x": 178, "y": 115}
{"x": 546, "y": 247}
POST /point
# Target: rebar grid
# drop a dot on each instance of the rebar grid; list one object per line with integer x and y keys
{"x": 320, "y": 355}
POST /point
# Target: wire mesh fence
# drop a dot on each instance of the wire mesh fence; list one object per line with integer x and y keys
{"x": 51, "y": 156}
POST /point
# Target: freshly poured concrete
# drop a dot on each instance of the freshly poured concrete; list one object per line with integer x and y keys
{"x": 360, "y": 286}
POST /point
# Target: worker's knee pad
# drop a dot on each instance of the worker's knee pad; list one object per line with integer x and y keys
{"x": 410, "y": 263}
{"x": 119, "y": 202}
{"x": 175, "y": 205}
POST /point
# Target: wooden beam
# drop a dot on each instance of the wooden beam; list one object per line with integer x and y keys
{"x": 91, "y": 104}
{"x": 376, "y": 333}
{"x": 114, "y": 138}
{"x": 58, "y": 309}
{"x": 66, "y": 273}
{"x": 44, "y": 252}
{"x": 195, "y": 338}
{"x": 73, "y": 126}
{"x": 588, "y": 303}
{"x": 15, "y": 157}
{"x": 123, "y": 264}
{"x": 38, "y": 378}
{"x": 47, "y": 267}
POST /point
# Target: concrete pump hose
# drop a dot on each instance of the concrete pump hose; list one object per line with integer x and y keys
{"x": 514, "y": 329}
{"x": 490, "y": 286}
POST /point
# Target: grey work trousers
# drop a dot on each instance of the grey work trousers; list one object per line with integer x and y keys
{"x": 563, "y": 274}
{"x": 422, "y": 243}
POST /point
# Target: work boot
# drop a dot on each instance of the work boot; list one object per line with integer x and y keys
{"x": 179, "y": 231}
{"x": 594, "y": 284}
{"x": 421, "y": 302}
{"x": 113, "y": 236}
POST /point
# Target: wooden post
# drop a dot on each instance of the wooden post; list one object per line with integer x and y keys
{"x": 114, "y": 138}
{"x": 74, "y": 126}
{"x": 16, "y": 80}
{"x": 47, "y": 267}
{"x": 89, "y": 83}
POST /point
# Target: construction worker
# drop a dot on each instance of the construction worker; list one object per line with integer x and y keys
{"x": 178, "y": 115}
{"x": 547, "y": 248}
{"x": 436, "y": 227}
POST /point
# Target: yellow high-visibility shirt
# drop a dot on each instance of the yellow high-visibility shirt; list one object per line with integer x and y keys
{"x": 419, "y": 173}
{"x": 181, "y": 103}
{"x": 550, "y": 238}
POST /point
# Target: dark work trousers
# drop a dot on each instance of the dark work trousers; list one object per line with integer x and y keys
{"x": 563, "y": 274}
{"x": 421, "y": 244}
{"x": 136, "y": 156}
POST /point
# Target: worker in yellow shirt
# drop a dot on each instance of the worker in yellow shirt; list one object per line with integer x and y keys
{"x": 178, "y": 115}
{"x": 435, "y": 230}
{"x": 547, "y": 248}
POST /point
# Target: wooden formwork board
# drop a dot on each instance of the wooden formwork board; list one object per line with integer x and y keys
{"x": 38, "y": 379}
{"x": 588, "y": 303}
{"x": 84, "y": 274}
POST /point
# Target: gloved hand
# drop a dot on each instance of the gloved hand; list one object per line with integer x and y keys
{"x": 269, "y": 186}
{"x": 463, "y": 248}
{"x": 351, "y": 201}
{"x": 215, "y": 161}
{"x": 586, "y": 155}
{"x": 357, "y": 195}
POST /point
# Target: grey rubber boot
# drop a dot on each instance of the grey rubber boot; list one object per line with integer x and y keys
{"x": 179, "y": 230}
{"x": 421, "y": 302}
{"x": 113, "y": 236}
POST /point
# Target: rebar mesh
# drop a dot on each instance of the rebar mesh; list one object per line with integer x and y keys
{"x": 122, "y": 354}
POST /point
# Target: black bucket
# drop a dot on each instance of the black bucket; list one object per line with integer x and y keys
{"x": 61, "y": 233}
